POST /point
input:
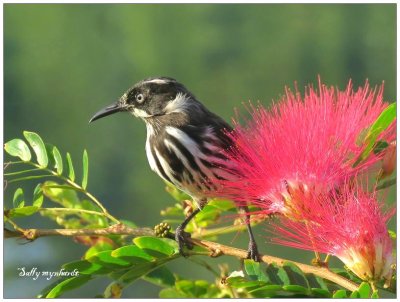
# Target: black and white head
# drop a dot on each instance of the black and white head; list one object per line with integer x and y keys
{"x": 153, "y": 98}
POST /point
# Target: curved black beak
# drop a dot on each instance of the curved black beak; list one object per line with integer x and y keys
{"x": 113, "y": 108}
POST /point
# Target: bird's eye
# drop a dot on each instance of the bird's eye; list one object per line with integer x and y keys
{"x": 140, "y": 98}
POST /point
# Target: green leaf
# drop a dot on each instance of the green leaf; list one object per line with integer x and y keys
{"x": 375, "y": 295}
{"x": 355, "y": 294}
{"x": 222, "y": 204}
{"x": 381, "y": 124}
{"x": 295, "y": 288}
{"x": 196, "y": 289}
{"x": 295, "y": 274}
{"x": 17, "y": 147}
{"x": 140, "y": 270}
{"x": 392, "y": 234}
{"x": 18, "y": 200}
{"x": 161, "y": 277}
{"x": 364, "y": 290}
{"x": 132, "y": 253}
{"x": 347, "y": 273}
{"x": 265, "y": 291}
{"x": 49, "y": 152}
{"x": 277, "y": 275}
{"x": 140, "y": 261}
{"x": 341, "y": 293}
{"x": 44, "y": 292}
{"x": 85, "y": 267}
{"x": 68, "y": 284}
{"x": 207, "y": 214}
{"x": 199, "y": 289}
{"x": 117, "y": 274}
{"x": 105, "y": 259}
{"x": 380, "y": 146}
{"x": 38, "y": 146}
{"x": 64, "y": 195}
{"x": 316, "y": 282}
{"x": 85, "y": 161}
{"x": 321, "y": 293}
{"x": 157, "y": 247}
{"x": 176, "y": 210}
{"x": 22, "y": 212}
{"x": 58, "y": 160}
{"x": 238, "y": 281}
{"x": 171, "y": 293}
{"x": 98, "y": 248}
{"x": 71, "y": 172}
{"x": 386, "y": 184}
{"x": 253, "y": 270}
{"x": 38, "y": 196}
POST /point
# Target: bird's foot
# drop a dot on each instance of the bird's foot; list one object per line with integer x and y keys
{"x": 252, "y": 252}
{"x": 182, "y": 238}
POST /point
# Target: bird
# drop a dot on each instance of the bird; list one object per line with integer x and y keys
{"x": 184, "y": 145}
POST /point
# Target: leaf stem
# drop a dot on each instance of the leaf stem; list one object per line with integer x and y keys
{"x": 21, "y": 172}
{"x": 28, "y": 178}
{"x": 94, "y": 199}
{"x": 73, "y": 210}
{"x": 15, "y": 226}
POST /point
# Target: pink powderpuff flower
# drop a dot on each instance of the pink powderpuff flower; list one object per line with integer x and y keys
{"x": 349, "y": 224}
{"x": 303, "y": 145}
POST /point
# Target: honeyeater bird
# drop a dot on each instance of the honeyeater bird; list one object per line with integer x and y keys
{"x": 185, "y": 142}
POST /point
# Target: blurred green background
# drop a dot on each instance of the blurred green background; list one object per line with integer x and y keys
{"x": 64, "y": 62}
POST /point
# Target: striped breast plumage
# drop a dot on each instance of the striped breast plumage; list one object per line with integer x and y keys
{"x": 188, "y": 157}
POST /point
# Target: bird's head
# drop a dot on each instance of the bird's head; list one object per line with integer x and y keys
{"x": 150, "y": 98}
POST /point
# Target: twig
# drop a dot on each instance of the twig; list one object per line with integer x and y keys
{"x": 216, "y": 249}
{"x": 220, "y": 249}
{"x": 116, "y": 229}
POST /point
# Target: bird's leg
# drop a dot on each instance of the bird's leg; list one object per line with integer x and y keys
{"x": 252, "y": 251}
{"x": 180, "y": 234}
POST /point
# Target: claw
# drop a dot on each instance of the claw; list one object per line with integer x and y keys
{"x": 252, "y": 252}
{"x": 181, "y": 237}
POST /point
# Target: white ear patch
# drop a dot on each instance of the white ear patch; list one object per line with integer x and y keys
{"x": 140, "y": 113}
{"x": 179, "y": 104}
